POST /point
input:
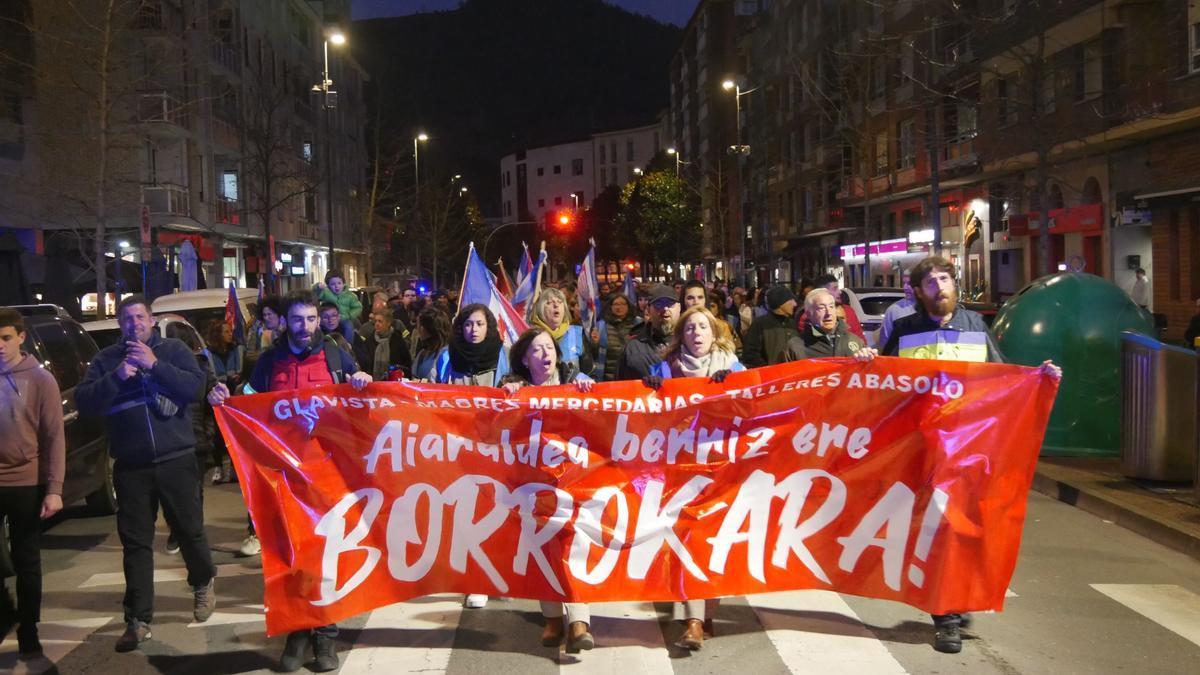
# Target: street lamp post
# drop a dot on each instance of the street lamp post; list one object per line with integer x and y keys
{"x": 739, "y": 150}
{"x": 675, "y": 153}
{"x": 328, "y": 103}
{"x": 419, "y": 138}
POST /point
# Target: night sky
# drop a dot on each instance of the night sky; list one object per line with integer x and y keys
{"x": 667, "y": 11}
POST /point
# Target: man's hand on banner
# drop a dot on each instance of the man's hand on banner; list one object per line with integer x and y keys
{"x": 511, "y": 388}
{"x": 653, "y": 381}
{"x": 360, "y": 380}
{"x": 218, "y": 395}
{"x": 1048, "y": 368}
{"x": 720, "y": 375}
{"x": 866, "y": 354}
{"x": 584, "y": 385}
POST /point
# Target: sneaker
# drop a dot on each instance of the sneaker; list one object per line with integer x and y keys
{"x": 948, "y": 639}
{"x": 203, "y": 601}
{"x": 135, "y": 634}
{"x": 250, "y": 546}
{"x": 579, "y": 637}
{"x": 475, "y": 601}
{"x": 325, "y": 649}
{"x": 293, "y": 652}
{"x": 172, "y": 547}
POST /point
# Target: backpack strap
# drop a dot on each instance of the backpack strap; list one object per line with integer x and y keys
{"x": 333, "y": 359}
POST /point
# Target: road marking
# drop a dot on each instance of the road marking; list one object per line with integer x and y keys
{"x": 171, "y": 574}
{"x": 817, "y": 632}
{"x": 429, "y": 625}
{"x": 628, "y": 640}
{"x": 252, "y": 614}
{"x": 1172, "y": 607}
{"x": 58, "y": 638}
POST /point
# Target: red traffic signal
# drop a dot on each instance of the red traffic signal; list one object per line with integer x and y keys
{"x": 562, "y": 220}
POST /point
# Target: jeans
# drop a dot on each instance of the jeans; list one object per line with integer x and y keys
{"x": 140, "y": 489}
{"x": 22, "y": 505}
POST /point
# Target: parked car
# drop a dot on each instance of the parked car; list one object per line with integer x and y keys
{"x": 201, "y": 308}
{"x": 108, "y": 332}
{"x": 870, "y": 304}
{"x": 66, "y": 350}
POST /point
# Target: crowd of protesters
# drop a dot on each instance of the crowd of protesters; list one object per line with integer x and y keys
{"x": 151, "y": 390}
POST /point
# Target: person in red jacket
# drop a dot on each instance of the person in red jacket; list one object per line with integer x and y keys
{"x": 305, "y": 359}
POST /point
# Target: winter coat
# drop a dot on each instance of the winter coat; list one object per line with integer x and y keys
{"x": 964, "y": 338}
{"x": 766, "y": 339}
{"x": 815, "y": 344}
{"x": 146, "y": 415}
{"x": 31, "y": 424}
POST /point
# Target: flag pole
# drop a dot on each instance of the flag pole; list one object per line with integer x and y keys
{"x": 462, "y": 286}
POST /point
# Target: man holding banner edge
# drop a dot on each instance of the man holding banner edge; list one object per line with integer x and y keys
{"x": 940, "y": 329}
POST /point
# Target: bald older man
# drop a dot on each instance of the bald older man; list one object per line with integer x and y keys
{"x": 824, "y": 333}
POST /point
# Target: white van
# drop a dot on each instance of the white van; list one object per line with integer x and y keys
{"x": 201, "y": 308}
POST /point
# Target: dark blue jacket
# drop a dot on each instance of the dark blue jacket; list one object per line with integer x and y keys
{"x": 964, "y": 325}
{"x": 146, "y": 416}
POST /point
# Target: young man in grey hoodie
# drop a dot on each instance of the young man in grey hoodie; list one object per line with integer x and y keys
{"x": 32, "y": 463}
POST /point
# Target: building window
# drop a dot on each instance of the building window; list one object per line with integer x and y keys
{"x": 612, "y": 151}
{"x": 1049, "y": 90}
{"x": 557, "y": 169}
{"x": 1006, "y": 112}
{"x": 1088, "y": 70}
{"x": 603, "y": 158}
{"x": 906, "y": 144}
{"x": 577, "y": 167}
{"x": 628, "y": 151}
{"x": 878, "y": 77}
{"x": 1193, "y": 37}
{"x": 229, "y": 185}
{"x": 881, "y": 153}
{"x": 541, "y": 203}
{"x": 306, "y": 151}
{"x": 656, "y": 142}
{"x": 541, "y": 171}
{"x": 558, "y": 201}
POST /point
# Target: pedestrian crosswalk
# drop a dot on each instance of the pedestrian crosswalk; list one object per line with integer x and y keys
{"x": 796, "y": 632}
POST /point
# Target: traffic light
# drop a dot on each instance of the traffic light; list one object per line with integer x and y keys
{"x": 562, "y": 220}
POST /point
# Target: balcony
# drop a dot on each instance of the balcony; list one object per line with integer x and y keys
{"x": 165, "y": 114}
{"x": 959, "y": 152}
{"x": 167, "y": 199}
{"x": 226, "y": 211}
{"x": 158, "y": 19}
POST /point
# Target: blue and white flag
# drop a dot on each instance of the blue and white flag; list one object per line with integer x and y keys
{"x": 630, "y": 289}
{"x": 479, "y": 285}
{"x": 589, "y": 289}
{"x": 527, "y": 286}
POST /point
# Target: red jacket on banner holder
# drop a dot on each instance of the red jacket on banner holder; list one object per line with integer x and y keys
{"x": 897, "y": 479}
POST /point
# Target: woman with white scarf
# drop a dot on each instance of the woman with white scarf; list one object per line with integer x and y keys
{"x": 702, "y": 347}
{"x": 534, "y": 361}
{"x": 550, "y": 311}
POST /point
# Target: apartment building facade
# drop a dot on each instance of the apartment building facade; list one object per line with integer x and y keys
{"x": 1018, "y": 137}
{"x": 212, "y": 130}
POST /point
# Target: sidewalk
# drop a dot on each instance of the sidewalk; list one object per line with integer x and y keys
{"x": 1166, "y": 513}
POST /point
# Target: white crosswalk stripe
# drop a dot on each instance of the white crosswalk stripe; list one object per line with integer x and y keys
{"x": 168, "y": 574}
{"x": 628, "y": 641}
{"x": 1172, "y": 607}
{"x": 817, "y": 632}
{"x": 431, "y": 622}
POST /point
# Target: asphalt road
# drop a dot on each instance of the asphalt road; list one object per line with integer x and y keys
{"x": 1087, "y": 597}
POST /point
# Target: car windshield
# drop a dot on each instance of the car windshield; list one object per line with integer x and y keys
{"x": 202, "y": 318}
{"x": 877, "y": 305}
{"x": 106, "y": 337}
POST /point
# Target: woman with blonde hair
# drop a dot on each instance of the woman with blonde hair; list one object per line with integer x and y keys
{"x": 701, "y": 347}
{"x": 552, "y": 312}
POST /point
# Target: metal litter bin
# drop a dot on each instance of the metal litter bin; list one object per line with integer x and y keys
{"x": 1158, "y": 409}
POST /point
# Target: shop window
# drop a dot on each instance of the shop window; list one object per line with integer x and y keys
{"x": 881, "y": 153}
{"x": 1193, "y": 37}
{"x": 906, "y": 144}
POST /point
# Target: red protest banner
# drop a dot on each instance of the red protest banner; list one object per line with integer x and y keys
{"x": 898, "y": 479}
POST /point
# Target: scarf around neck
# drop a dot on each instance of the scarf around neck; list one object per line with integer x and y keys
{"x": 469, "y": 358}
{"x": 685, "y": 365}
{"x": 554, "y": 333}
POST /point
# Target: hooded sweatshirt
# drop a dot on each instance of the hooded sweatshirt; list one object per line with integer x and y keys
{"x": 31, "y": 424}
